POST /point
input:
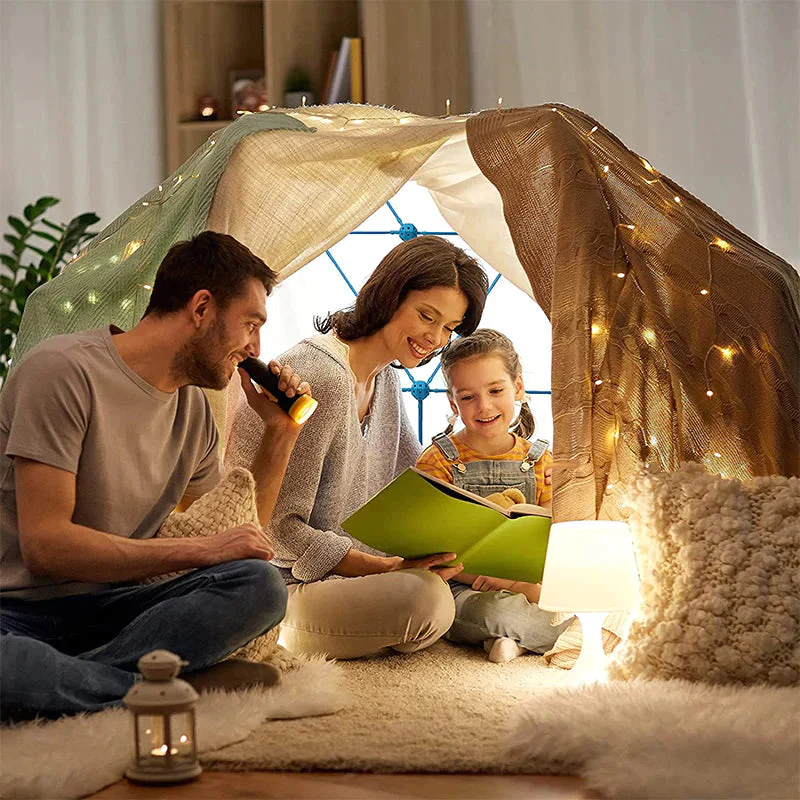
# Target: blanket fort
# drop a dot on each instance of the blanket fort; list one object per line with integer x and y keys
{"x": 675, "y": 336}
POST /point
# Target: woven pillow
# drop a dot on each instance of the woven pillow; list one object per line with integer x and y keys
{"x": 229, "y": 504}
{"x": 719, "y": 562}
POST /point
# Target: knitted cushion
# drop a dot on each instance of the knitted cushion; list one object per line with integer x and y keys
{"x": 232, "y": 502}
{"x": 719, "y": 562}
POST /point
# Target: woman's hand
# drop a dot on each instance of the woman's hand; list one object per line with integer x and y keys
{"x": 432, "y": 564}
{"x": 485, "y": 583}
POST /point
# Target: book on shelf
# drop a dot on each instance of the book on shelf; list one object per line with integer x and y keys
{"x": 418, "y": 515}
{"x": 346, "y": 83}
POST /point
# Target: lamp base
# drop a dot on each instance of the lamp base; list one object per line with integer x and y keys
{"x": 591, "y": 664}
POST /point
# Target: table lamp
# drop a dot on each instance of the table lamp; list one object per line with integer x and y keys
{"x": 589, "y": 570}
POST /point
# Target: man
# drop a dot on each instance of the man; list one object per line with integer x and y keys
{"x": 102, "y": 434}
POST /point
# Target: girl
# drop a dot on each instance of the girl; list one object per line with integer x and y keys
{"x": 492, "y": 454}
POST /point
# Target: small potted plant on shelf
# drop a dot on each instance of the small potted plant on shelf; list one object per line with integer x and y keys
{"x": 297, "y": 86}
{"x": 39, "y": 249}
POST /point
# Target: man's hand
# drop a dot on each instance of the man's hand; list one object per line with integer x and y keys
{"x": 431, "y": 563}
{"x": 264, "y": 404}
{"x": 244, "y": 541}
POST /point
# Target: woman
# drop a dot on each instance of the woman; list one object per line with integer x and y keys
{"x": 345, "y": 599}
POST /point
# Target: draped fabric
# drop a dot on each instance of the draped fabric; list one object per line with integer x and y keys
{"x": 675, "y": 337}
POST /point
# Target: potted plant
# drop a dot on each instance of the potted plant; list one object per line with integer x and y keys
{"x": 297, "y": 86}
{"x": 40, "y": 248}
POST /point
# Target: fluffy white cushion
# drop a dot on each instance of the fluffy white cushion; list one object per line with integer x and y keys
{"x": 232, "y": 502}
{"x": 719, "y": 562}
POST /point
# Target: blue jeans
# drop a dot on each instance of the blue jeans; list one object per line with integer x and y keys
{"x": 78, "y": 653}
{"x": 492, "y": 615}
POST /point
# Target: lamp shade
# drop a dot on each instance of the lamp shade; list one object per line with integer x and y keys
{"x": 589, "y": 566}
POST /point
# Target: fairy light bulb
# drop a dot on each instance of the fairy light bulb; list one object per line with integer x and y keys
{"x": 721, "y": 243}
{"x": 709, "y": 393}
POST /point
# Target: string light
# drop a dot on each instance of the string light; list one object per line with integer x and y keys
{"x": 500, "y": 103}
{"x": 303, "y": 101}
{"x": 704, "y": 291}
{"x": 717, "y": 455}
{"x": 709, "y": 393}
{"x": 620, "y": 274}
{"x": 649, "y": 335}
{"x": 721, "y": 243}
{"x": 598, "y": 382}
{"x": 677, "y": 199}
{"x": 592, "y": 131}
{"x": 605, "y": 168}
{"x": 596, "y": 329}
{"x": 131, "y": 248}
{"x": 447, "y": 107}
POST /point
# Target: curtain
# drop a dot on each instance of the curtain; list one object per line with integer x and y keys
{"x": 708, "y": 92}
{"x": 80, "y": 92}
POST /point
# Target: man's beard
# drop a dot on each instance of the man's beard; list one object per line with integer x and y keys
{"x": 202, "y": 361}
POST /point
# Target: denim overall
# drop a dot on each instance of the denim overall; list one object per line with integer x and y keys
{"x": 491, "y": 615}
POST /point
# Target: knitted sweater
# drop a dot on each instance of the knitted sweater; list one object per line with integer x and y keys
{"x": 334, "y": 468}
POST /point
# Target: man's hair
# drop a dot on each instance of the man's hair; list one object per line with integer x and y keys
{"x": 421, "y": 263}
{"x": 212, "y": 261}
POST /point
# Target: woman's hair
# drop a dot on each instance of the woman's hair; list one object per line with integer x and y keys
{"x": 488, "y": 342}
{"x": 418, "y": 264}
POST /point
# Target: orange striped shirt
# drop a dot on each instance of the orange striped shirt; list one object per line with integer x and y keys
{"x": 433, "y": 462}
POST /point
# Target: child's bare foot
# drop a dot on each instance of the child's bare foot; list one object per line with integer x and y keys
{"x": 503, "y": 649}
{"x": 233, "y": 674}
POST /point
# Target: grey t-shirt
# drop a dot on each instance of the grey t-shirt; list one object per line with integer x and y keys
{"x": 135, "y": 451}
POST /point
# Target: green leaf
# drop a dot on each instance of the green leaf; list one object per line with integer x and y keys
{"x": 44, "y": 235}
{"x": 89, "y": 218}
{"x": 18, "y": 225}
{"x": 44, "y": 203}
{"x": 30, "y": 212}
{"x": 38, "y": 250}
{"x": 54, "y": 226}
{"x": 6, "y": 282}
{"x": 9, "y": 261}
{"x": 15, "y": 242}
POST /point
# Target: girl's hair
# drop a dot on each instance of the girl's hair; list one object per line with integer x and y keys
{"x": 488, "y": 342}
{"x": 415, "y": 265}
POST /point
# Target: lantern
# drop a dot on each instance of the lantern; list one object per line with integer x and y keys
{"x": 164, "y": 728}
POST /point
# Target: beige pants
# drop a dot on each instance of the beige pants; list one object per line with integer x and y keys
{"x": 406, "y": 610}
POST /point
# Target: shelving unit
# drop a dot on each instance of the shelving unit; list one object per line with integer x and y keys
{"x": 415, "y": 54}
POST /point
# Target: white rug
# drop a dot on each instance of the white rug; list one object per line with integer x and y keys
{"x": 668, "y": 739}
{"x": 76, "y": 756}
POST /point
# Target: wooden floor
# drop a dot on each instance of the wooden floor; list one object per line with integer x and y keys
{"x": 356, "y": 786}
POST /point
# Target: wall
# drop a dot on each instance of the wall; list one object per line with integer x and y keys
{"x": 80, "y": 92}
{"x": 708, "y": 92}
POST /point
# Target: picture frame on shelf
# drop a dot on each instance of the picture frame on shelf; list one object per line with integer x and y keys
{"x": 248, "y": 92}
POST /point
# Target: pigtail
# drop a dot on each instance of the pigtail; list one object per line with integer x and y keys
{"x": 524, "y": 425}
{"x": 451, "y": 424}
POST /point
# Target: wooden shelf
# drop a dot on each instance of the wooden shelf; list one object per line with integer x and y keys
{"x": 415, "y": 54}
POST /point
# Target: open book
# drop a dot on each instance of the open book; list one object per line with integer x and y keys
{"x": 418, "y": 515}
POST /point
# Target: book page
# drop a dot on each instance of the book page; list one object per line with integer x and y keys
{"x": 528, "y": 509}
{"x": 456, "y": 491}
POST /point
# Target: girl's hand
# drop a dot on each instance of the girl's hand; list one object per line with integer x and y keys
{"x": 485, "y": 583}
{"x": 548, "y": 476}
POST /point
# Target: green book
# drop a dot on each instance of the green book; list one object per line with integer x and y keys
{"x": 418, "y": 515}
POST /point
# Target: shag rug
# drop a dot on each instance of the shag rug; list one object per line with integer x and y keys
{"x": 447, "y": 709}
{"x": 76, "y": 756}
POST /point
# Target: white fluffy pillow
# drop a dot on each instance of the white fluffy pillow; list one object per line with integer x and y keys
{"x": 719, "y": 562}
